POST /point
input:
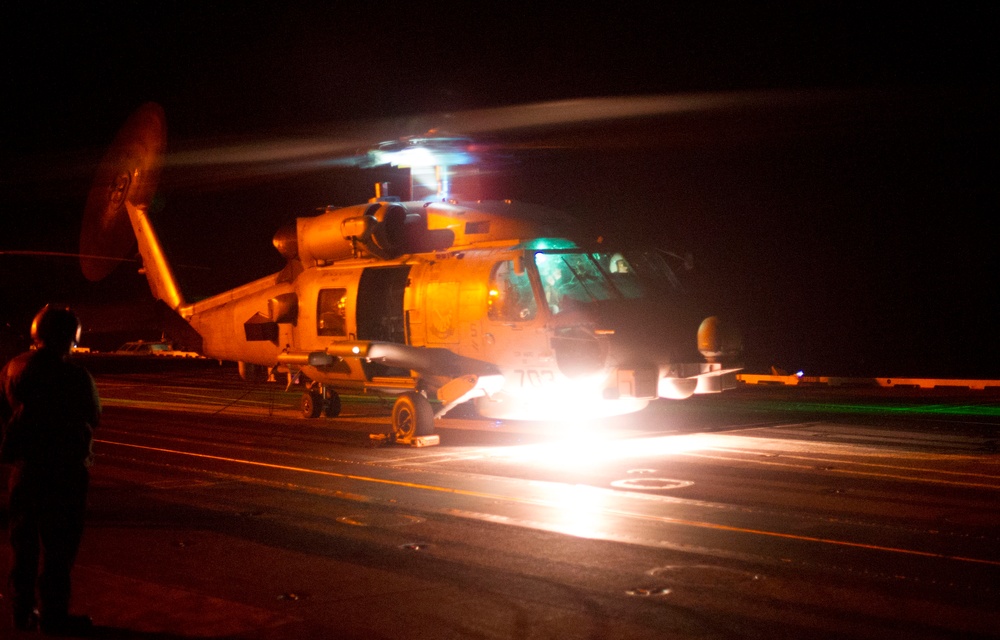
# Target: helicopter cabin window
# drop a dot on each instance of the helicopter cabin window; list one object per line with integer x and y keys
{"x": 510, "y": 296}
{"x": 331, "y": 312}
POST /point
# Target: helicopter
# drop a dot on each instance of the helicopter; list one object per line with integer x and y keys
{"x": 433, "y": 300}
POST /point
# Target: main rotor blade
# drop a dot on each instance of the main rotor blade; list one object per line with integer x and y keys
{"x": 349, "y": 148}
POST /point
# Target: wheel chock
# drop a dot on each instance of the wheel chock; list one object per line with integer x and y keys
{"x": 419, "y": 441}
{"x": 379, "y": 439}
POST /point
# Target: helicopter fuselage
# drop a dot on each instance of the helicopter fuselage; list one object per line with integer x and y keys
{"x": 532, "y": 329}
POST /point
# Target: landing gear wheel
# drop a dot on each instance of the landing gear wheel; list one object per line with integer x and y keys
{"x": 331, "y": 408}
{"x": 311, "y": 404}
{"x": 412, "y": 416}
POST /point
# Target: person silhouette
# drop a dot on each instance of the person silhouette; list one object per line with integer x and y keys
{"x": 49, "y": 408}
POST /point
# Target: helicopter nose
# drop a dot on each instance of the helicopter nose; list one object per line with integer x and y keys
{"x": 579, "y": 351}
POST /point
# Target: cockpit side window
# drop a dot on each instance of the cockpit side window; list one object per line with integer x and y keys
{"x": 331, "y": 312}
{"x": 654, "y": 272}
{"x": 510, "y": 295}
{"x": 620, "y": 272}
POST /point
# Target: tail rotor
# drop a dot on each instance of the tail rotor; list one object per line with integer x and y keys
{"x": 128, "y": 173}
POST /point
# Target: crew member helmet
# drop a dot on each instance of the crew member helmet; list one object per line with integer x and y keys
{"x": 56, "y": 326}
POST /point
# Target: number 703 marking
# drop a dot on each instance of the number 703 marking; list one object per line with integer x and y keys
{"x": 535, "y": 377}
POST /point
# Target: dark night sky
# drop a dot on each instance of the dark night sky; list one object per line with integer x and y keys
{"x": 856, "y": 239}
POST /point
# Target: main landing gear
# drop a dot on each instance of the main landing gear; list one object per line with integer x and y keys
{"x": 413, "y": 420}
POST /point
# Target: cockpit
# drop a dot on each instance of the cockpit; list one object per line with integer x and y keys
{"x": 571, "y": 278}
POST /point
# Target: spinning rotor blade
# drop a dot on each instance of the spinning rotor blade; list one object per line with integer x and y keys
{"x": 346, "y": 144}
{"x": 128, "y": 173}
{"x": 562, "y": 113}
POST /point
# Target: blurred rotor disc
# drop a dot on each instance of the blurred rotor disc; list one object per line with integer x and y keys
{"x": 587, "y": 123}
{"x": 129, "y": 172}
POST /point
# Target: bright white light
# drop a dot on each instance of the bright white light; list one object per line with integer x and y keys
{"x": 581, "y": 448}
{"x": 531, "y": 396}
{"x": 412, "y": 157}
{"x": 580, "y": 509}
{"x": 439, "y": 153}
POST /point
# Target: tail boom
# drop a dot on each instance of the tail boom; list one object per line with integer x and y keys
{"x": 160, "y": 276}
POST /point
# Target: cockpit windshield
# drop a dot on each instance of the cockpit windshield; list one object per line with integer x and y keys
{"x": 572, "y": 277}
